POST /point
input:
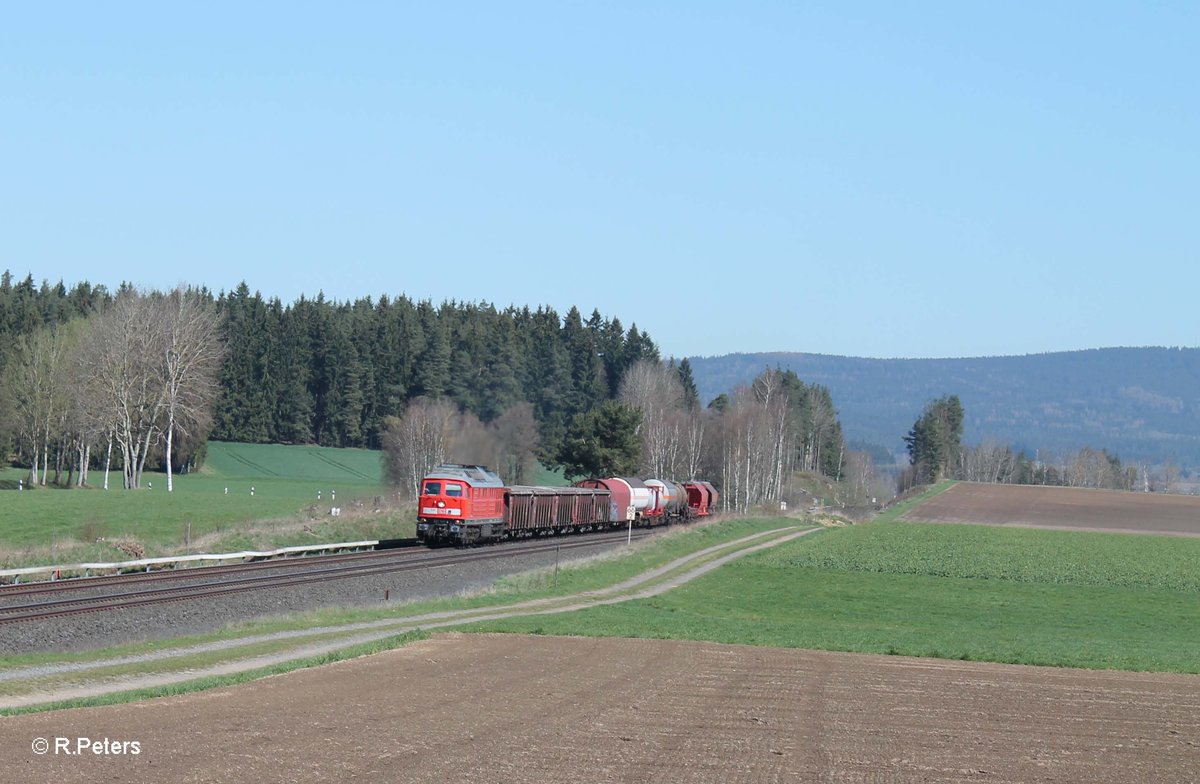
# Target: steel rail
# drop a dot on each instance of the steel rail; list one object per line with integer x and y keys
{"x": 190, "y": 573}
{"x": 82, "y": 605}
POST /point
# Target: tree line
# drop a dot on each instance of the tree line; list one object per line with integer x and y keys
{"x": 936, "y": 452}
{"x": 315, "y": 371}
{"x": 751, "y": 443}
{"x": 135, "y": 379}
{"x": 138, "y": 374}
{"x": 331, "y": 373}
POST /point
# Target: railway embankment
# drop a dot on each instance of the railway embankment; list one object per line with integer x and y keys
{"x": 168, "y": 667}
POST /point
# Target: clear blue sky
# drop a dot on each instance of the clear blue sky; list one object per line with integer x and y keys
{"x": 873, "y": 179}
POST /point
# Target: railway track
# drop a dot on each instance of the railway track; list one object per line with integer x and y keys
{"x": 304, "y": 571}
{"x": 190, "y": 573}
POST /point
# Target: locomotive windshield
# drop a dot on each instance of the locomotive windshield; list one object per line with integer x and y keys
{"x": 454, "y": 490}
{"x": 433, "y": 488}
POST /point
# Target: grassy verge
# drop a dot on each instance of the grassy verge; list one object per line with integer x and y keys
{"x": 589, "y": 574}
{"x": 297, "y": 529}
{"x": 606, "y": 572}
{"x": 197, "y": 507}
{"x": 201, "y": 684}
{"x": 839, "y": 591}
{"x": 896, "y": 511}
{"x": 192, "y": 661}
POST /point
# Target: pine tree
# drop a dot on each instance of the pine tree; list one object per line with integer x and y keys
{"x": 611, "y": 344}
{"x": 548, "y": 382}
{"x": 935, "y": 441}
{"x": 433, "y": 365}
{"x": 244, "y": 409}
{"x": 691, "y": 396}
{"x": 585, "y": 365}
{"x": 602, "y": 442}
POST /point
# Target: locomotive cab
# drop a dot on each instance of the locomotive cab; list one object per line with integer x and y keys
{"x": 445, "y": 498}
{"x": 460, "y": 504}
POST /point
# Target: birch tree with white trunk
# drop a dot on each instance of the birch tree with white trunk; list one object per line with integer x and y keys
{"x": 37, "y": 383}
{"x": 190, "y": 353}
{"x": 122, "y": 358}
{"x": 417, "y": 441}
{"x": 672, "y": 433}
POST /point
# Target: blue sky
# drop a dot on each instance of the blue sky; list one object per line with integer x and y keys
{"x": 878, "y": 180}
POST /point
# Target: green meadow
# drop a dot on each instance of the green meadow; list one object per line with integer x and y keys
{"x": 1027, "y": 596}
{"x": 946, "y": 591}
{"x": 213, "y": 507}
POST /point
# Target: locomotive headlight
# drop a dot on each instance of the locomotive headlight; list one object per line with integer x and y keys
{"x": 442, "y": 504}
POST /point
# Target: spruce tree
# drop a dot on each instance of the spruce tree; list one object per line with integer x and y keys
{"x": 691, "y": 396}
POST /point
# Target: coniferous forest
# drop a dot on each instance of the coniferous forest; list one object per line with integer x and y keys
{"x": 329, "y": 373}
{"x": 86, "y": 368}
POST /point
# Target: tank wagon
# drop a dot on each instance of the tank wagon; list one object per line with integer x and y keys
{"x": 470, "y": 504}
{"x": 630, "y": 498}
{"x": 672, "y": 501}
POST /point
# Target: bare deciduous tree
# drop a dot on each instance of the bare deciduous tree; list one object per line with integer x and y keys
{"x": 432, "y": 432}
{"x": 651, "y": 388}
{"x": 858, "y": 484}
{"x": 1170, "y": 472}
{"x": 36, "y": 381}
{"x": 672, "y": 432}
{"x": 121, "y": 358}
{"x": 753, "y": 448}
{"x": 990, "y": 461}
{"x": 190, "y": 352}
{"x": 516, "y": 435}
{"x": 417, "y": 441}
{"x": 148, "y": 372}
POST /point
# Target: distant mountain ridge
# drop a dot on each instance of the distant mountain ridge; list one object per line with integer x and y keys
{"x": 1141, "y": 403}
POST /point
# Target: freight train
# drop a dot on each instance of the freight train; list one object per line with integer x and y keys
{"x": 469, "y": 504}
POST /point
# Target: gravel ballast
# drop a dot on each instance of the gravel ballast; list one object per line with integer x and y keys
{"x": 197, "y": 616}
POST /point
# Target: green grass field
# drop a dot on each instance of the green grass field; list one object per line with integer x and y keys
{"x": 958, "y": 592}
{"x": 310, "y": 466}
{"x": 211, "y": 509}
{"x": 954, "y": 591}
{"x": 213, "y": 506}
{"x": 1008, "y": 554}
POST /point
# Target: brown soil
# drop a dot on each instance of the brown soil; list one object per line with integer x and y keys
{"x": 1062, "y": 508}
{"x": 535, "y": 709}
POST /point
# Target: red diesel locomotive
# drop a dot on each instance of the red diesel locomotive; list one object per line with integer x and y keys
{"x": 468, "y": 504}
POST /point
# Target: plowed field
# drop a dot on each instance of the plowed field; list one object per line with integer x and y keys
{"x": 541, "y": 709}
{"x": 1064, "y": 508}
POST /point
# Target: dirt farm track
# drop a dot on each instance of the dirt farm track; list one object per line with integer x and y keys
{"x": 506, "y": 708}
{"x": 1063, "y": 508}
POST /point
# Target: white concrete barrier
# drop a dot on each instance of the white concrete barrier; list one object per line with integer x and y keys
{"x": 146, "y": 563}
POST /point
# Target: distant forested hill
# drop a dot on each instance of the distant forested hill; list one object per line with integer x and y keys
{"x": 1141, "y": 403}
